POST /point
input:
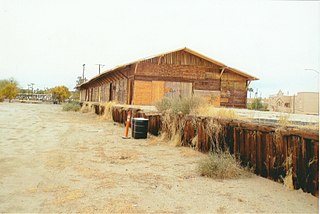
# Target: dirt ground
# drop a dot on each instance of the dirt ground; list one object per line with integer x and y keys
{"x": 54, "y": 161}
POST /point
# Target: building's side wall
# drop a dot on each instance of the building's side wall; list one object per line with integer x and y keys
{"x": 101, "y": 92}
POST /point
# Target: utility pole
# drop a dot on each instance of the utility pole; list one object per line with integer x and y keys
{"x": 83, "y": 68}
{"x": 100, "y": 66}
{"x": 32, "y": 84}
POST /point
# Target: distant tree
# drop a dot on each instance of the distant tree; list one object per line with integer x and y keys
{"x": 44, "y": 91}
{"x": 80, "y": 80}
{"x": 257, "y": 104}
{"x": 60, "y": 93}
{"x": 8, "y": 89}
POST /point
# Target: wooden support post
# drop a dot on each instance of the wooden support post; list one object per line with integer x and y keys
{"x": 222, "y": 71}
{"x": 129, "y": 91}
{"x": 136, "y": 67}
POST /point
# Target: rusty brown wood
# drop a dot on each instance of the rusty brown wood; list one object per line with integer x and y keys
{"x": 241, "y": 144}
{"x": 268, "y": 152}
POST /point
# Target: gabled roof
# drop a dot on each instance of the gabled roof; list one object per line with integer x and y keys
{"x": 241, "y": 73}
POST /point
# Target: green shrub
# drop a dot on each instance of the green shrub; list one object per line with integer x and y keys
{"x": 72, "y": 106}
{"x": 257, "y": 104}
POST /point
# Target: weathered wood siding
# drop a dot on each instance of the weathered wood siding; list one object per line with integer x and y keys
{"x": 179, "y": 73}
{"x": 206, "y": 78}
{"x": 101, "y": 93}
{"x": 233, "y": 90}
{"x": 149, "y": 92}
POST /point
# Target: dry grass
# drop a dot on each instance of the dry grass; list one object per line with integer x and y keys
{"x": 122, "y": 204}
{"x": 194, "y": 142}
{"x": 87, "y": 108}
{"x": 210, "y": 111}
{"x": 63, "y": 194}
{"x": 172, "y": 126}
{"x": 91, "y": 173}
{"x": 287, "y": 180}
{"x": 68, "y": 196}
{"x": 188, "y": 152}
{"x": 153, "y": 140}
{"x": 177, "y": 105}
{"x": 58, "y": 161}
{"x": 214, "y": 131}
{"x": 284, "y": 120}
{"x": 221, "y": 166}
{"x": 107, "y": 115}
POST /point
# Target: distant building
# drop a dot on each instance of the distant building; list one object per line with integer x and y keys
{"x": 302, "y": 103}
{"x": 307, "y": 103}
{"x": 280, "y": 102}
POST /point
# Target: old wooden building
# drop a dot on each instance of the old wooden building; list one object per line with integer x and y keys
{"x": 182, "y": 72}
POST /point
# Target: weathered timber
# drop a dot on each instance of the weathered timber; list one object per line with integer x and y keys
{"x": 272, "y": 150}
{"x": 147, "y": 81}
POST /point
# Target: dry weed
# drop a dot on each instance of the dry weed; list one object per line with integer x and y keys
{"x": 68, "y": 196}
{"x": 171, "y": 128}
{"x": 214, "y": 131}
{"x": 189, "y": 152}
{"x": 221, "y": 166}
{"x": 107, "y": 115}
{"x": 122, "y": 204}
{"x": 62, "y": 193}
{"x": 194, "y": 142}
{"x": 87, "y": 108}
{"x": 288, "y": 180}
{"x": 91, "y": 173}
{"x": 72, "y": 106}
{"x": 153, "y": 140}
{"x": 176, "y": 140}
{"x": 123, "y": 156}
{"x": 210, "y": 111}
{"x": 284, "y": 120}
{"x": 57, "y": 160}
{"x": 177, "y": 105}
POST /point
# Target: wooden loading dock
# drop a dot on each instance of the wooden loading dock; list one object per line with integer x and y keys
{"x": 266, "y": 147}
{"x": 182, "y": 72}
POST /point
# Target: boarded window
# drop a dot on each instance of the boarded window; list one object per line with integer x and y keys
{"x": 178, "y": 89}
{"x": 149, "y": 92}
{"x": 142, "y": 92}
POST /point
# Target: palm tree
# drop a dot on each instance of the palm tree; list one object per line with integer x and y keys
{"x": 250, "y": 91}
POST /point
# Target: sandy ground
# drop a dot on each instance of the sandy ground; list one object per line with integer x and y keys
{"x": 54, "y": 161}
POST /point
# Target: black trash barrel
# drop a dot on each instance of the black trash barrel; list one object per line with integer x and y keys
{"x": 139, "y": 128}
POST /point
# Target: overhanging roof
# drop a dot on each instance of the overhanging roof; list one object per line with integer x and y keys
{"x": 241, "y": 73}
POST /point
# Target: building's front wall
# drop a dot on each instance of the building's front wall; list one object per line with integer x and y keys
{"x": 186, "y": 74}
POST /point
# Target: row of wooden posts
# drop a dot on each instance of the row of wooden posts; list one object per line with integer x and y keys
{"x": 271, "y": 150}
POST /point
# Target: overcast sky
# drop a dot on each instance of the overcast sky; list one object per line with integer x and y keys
{"x": 46, "y": 42}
